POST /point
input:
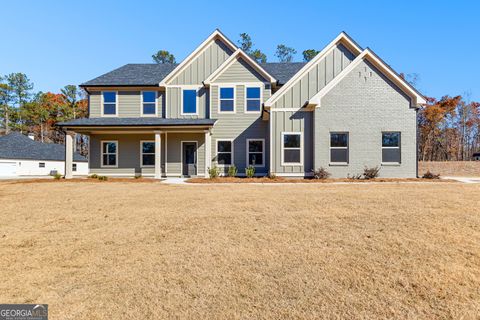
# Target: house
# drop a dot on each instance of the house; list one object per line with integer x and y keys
{"x": 343, "y": 110}
{"x": 22, "y": 156}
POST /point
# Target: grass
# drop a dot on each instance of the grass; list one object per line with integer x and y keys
{"x": 121, "y": 250}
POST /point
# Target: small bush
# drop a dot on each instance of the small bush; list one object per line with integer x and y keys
{"x": 232, "y": 171}
{"x": 93, "y": 176}
{"x": 102, "y": 178}
{"x": 250, "y": 171}
{"x": 371, "y": 173}
{"x": 138, "y": 177}
{"x": 272, "y": 176}
{"x": 321, "y": 173}
{"x": 354, "y": 176}
{"x": 213, "y": 172}
{"x": 429, "y": 175}
{"x": 57, "y": 176}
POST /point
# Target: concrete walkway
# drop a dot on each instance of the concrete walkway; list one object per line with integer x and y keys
{"x": 175, "y": 180}
{"x": 464, "y": 179}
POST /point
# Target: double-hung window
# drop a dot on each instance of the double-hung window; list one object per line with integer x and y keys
{"x": 292, "y": 148}
{"x": 74, "y": 167}
{"x": 109, "y": 153}
{"x": 391, "y": 147}
{"x": 255, "y": 152}
{"x": 147, "y": 153}
{"x": 149, "y": 106}
{"x": 253, "y": 100}
{"x": 109, "y": 103}
{"x": 227, "y": 99}
{"x": 41, "y": 164}
{"x": 189, "y": 97}
{"x": 225, "y": 152}
{"x": 339, "y": 147}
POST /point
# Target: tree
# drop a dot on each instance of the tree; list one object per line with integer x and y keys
{"x": 21, "y": 88}
{"x": 5, "y": 100}
{"x": 163, "y": 56}
{"x": 70, "y": 94}
{"x": 258, "y": 56}
{"x": 245, "y": 43}
{"x": 284, "y": 53}
{"x": 309, "y": 54}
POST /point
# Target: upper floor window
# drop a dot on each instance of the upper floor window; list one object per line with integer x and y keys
{"x": 292, "y": 148}
{"x": 148, "y": 103}
{"x": 339, "y": 147}
{"x": 391, "y": 147}
{"x": 227, "y": 100}
{"x": 253, "y": 100}
{"x": 109, "y": 103}
{"x": 189, "y": 105}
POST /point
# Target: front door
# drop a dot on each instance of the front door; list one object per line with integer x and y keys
{"x": 189, "y": 155}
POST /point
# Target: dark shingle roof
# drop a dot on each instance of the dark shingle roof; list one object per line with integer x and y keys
{"x": 151, "y": 74}
{"x": 282, "y": 71}
{"x": 18, "y": 146}
{"x": 133, "y": 75}
{"x": 110, "y": 122}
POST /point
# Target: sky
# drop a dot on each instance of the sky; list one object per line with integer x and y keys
{"x": 69, "y": 42}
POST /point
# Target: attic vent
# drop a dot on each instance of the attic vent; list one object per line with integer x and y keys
{"x": 365, "y": 74}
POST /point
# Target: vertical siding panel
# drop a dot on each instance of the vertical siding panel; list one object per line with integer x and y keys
{"x": 329, "y": 67}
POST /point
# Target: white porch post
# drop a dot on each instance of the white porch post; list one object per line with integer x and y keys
{"x": 208, "y": 151}
{"x": 158, "y": 155}
{"x": 68, "y": 155}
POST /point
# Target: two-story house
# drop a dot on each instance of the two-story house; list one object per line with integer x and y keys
{"x": 343, "y": 110}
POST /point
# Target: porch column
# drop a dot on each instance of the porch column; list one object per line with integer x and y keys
{"x": 68, "y": 155}
{"x": 208, "y": 151}
{"x": 158, "y": 155}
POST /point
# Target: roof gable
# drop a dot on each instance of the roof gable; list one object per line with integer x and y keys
{"x": 370, "y": 56}
{"x": 244, "y": 59}
{"x": 216, "y": 37}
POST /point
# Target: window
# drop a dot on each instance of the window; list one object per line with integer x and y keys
{"x": 227, "y": 100}
{"x": 339, "y": 147}
{"x": 74, "y": 167}
{"x": 41, "y": 164}
{"x": 391, "y": 147}
{"x": 147, "y": 153}
{"x": 189, "y": 102}
{"x": 291, "y": 148}
{"x": 255, "y": 152}
{"x": 149, "y": 106}
{"x": 109, "y": 153}
{"x": 109, "y": 103}
{"x": 253, "y": 100}
{"x": 224, "y": 152}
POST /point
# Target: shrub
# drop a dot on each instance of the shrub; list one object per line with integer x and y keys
{"x": 102, "y": 178}
{"x": 232, "y": 171}
{"x": 370, "y": 173}
{"x": 429, "y": 175}
{"x": 250, "y": 171}
{"x": 93, "y": 176}
{"x": 57, "y": 176}
{"x": 138, "y": 177}
{"x": 321, "y": 173}
{"x": 354, "y": 176}
{"x": 272, "y": 176}
{"x": 213, "y": 172}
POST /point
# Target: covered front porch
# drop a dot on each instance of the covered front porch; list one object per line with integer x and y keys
{"x": 148, "y": 151}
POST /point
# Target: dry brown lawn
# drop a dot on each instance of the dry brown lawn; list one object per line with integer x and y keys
{"x": 450, "y": 168}
{"x": 150, "y": 251}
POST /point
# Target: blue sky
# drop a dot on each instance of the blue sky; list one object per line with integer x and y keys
{"x": 68, "y": 42}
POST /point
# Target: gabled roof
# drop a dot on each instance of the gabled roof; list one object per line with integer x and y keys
{"x": 341, "y": 38}
{"x": 217, "y": 34}
{"x": 18, "y": 146}
{"x": 133, "y": 75}
{"x": 282, "y": 71}
{"x": 239, "y": 54}
{"x": 367, "y": 54}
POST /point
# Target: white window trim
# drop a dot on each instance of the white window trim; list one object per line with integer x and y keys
{"x": 234, "y": 98}
{"x": 156, "y": 104}
{"x": 116, "y": 104}
{"x": 232, "y": 152}
{"x": 263, "y": 153}
{"x": 246, "y": 99}
{"x": 283, "y": 163}
{"x": 393, "y": 163}
{"x": 141, "y": 154}
{"x": 101, "y": 154}
{"x": 338, "y": 148}
{"x": 196, "y": 103}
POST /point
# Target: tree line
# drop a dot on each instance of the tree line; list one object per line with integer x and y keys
{"x": 26, "y": 111}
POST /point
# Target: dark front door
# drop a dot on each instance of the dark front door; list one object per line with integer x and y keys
{"x": 189, "y": 155}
